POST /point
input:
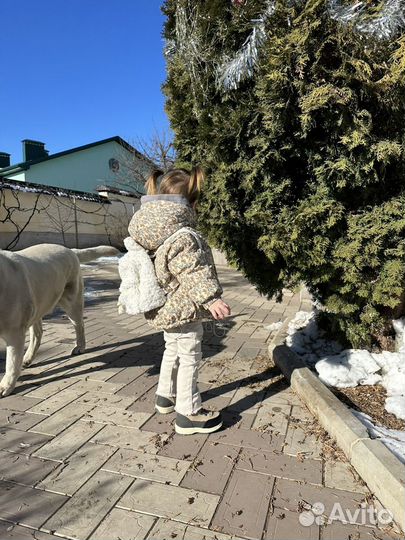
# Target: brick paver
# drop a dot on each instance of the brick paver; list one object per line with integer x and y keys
{"x": 83, "y": 455}
{"x": 27, "y": 506}
{"x": 121, "y": 524}
{"x": 245, "y": 504}
{"x": 147, "y": 466}
{"x": 81, "y": 514}
{"x": 17, "y": 468}
{"x": 177, "y": 503}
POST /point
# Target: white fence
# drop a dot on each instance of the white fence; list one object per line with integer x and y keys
{"x": 33, "y": 214}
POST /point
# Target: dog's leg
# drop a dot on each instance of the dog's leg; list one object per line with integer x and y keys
{"x": 76, "y": 317}
{"x": 72, "y": 304}
{"x": 15, "y": 352}
{"x": 35, "y": 342}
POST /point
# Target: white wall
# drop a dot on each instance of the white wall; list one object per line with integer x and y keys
{"x": 29, "y": 218}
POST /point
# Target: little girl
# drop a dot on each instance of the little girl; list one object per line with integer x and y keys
{"x": 185, "y": 269}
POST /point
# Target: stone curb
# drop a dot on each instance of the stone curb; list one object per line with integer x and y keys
{"x": 383, "y": 473}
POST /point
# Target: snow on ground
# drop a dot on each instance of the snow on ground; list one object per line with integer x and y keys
{"x": 307, "y": 340}
{"x": 90, "y": 292}
{"x": 97, "y": 288}
{"x": 108, "y": 260}
{"x": 392, "y": 438}
{"x": 102, "y": 261}
{"x": 274, "y": 326}
{"x": 351, "y": 367}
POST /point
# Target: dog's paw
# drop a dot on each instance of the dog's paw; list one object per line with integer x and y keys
{"x": 27, "y": 364}
{"x": 77, "y": 350}
{"x": 6, "y": 389}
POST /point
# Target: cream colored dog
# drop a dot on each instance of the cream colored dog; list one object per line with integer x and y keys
{"x": 33, "y": 282}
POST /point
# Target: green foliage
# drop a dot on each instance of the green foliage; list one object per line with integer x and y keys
{"x": 305, "y": 161}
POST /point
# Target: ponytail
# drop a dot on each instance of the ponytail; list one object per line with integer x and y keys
{"x": 195, "y": 184}
{"x": 177, "y": 181}
{"x": 151, "y": 183}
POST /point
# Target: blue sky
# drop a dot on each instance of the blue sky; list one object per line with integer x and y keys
{"x": 79, "y": 71}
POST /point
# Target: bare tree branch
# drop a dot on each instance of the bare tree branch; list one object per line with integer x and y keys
{"x": 61, "y": 216}
{"x": 158, "y": 153}
{"x": 11, "y": 211}
{"x": 158, "y": 148}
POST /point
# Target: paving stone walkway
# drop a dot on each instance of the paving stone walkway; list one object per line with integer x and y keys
{"x": 84, "y": 455}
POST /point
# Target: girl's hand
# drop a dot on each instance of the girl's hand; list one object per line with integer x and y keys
{"x": 219, "y": 310}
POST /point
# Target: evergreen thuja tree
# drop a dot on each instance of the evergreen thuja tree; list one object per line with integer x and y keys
{"x": 296, "y": 109}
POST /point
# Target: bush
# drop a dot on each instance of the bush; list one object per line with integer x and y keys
{"x": 305, "y": 160}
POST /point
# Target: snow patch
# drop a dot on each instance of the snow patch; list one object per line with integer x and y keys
{"x": 90, "y": 292}
{"x": 392, "y": 438}
{"x": 306, "y": 339}
{"x": 396, "y": 405}
{"x": 349, "y": 368}
{"x": 353, "y": 367}
{"x": 399, "y": 327}
{"x": 108, "y": 260}
{"x": 102, "y": 261}
{"x": 274, "y": 326}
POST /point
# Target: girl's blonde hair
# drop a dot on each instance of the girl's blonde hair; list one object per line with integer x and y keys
{"x": 177, "y": 182}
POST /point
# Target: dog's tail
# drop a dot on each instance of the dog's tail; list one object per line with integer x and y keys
{"x": 90, "y": 254}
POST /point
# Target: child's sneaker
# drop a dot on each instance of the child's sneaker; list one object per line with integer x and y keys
{"x": 164, "y": 405}
{"x": 202, "y": 422}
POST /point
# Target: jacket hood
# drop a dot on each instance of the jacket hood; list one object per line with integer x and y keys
{"x": 158, "y": 218}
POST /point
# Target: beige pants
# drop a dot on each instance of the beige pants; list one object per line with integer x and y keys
{"x": 179, "y": 369}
